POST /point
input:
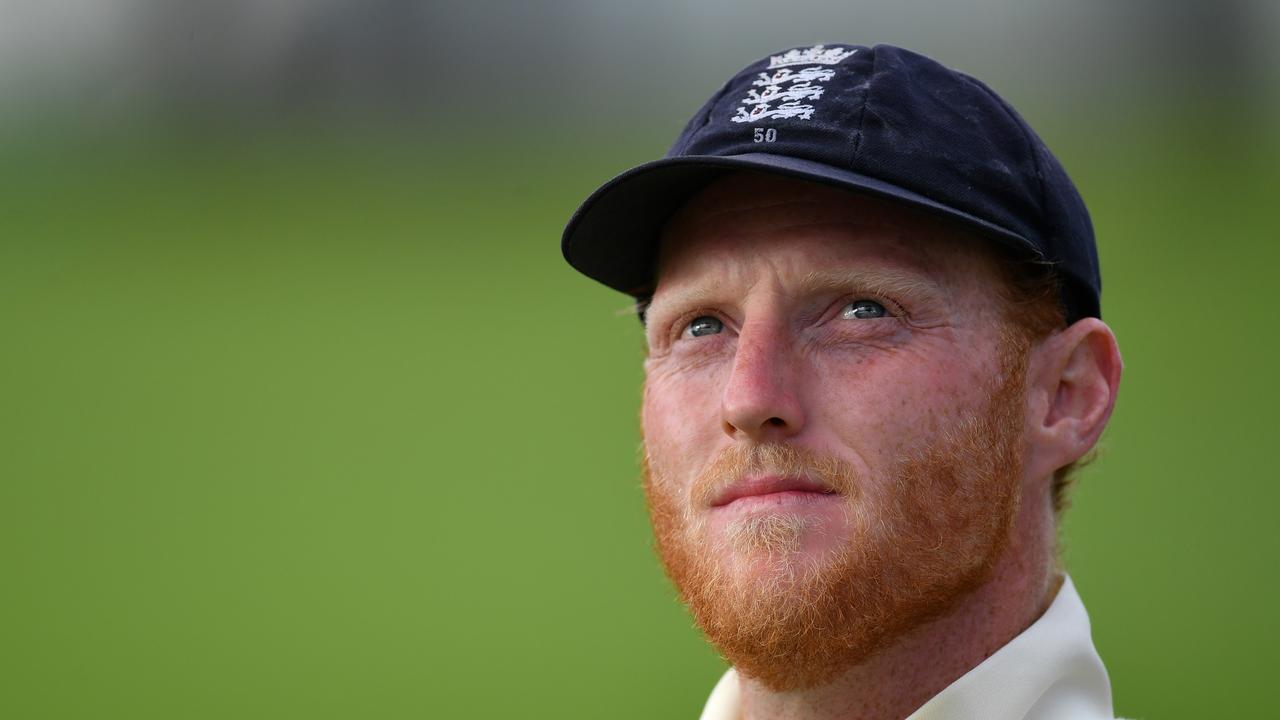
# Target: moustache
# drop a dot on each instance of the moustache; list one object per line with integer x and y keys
{"x": 742, "y": 461}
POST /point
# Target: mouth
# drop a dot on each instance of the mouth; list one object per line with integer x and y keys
{"x": 771, "y": 489}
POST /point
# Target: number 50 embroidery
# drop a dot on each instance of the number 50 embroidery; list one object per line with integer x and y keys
{"x": 765, "y": 134}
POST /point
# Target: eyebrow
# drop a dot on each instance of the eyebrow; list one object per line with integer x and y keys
{"x": 893, "y": 283}
{"x": 703, "y": 294}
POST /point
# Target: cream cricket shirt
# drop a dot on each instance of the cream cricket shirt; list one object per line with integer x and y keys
{"x": 1049, "y": 672}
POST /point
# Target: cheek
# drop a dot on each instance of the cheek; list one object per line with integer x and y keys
{"x": 886, "y": 406}
{"x": 680, "y": 418}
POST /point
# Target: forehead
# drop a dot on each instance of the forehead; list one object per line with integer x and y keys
{"x": 803, "y": 226}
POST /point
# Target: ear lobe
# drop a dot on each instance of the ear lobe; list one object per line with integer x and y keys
{"x": 1079, "y": 378}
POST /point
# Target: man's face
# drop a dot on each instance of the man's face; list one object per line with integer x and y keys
{"x": 833, "y": 421}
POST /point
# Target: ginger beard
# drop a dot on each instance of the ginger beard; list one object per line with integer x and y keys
{"x": 793, "y": 619}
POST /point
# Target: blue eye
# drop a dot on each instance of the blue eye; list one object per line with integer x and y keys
{"x": 863, "y": 310}
{"x": 705, "y": 325}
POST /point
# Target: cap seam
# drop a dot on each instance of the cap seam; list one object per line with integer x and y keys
{"x": 862, "y": 112}
{"x": 1042, "y": 194}
{"x": 1066, "y": 295}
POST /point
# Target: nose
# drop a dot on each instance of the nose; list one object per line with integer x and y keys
{"x": 761, "y": 400}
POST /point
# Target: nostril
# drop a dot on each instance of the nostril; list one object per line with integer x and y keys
{"x": 777, "y": 421}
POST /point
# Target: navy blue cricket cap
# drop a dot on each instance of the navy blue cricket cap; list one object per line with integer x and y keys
{"x": 881, "y": 121}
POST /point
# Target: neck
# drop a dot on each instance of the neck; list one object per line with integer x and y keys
{"x": 896, "y": 681}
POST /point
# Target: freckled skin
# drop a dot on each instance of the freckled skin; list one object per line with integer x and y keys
{"x": 788, "y": 368}
{"x": 866, "y": 390}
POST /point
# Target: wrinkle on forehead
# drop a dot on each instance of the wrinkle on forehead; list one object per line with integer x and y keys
{"x": 748, "y": 236}
{"x": 810, "y": 255}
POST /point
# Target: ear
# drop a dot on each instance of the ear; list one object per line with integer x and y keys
{"x": 1072, "y": 384}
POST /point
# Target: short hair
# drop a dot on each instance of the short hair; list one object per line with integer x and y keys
{"x": 1032, "y": 293}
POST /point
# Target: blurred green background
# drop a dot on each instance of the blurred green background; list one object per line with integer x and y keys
{"x": 304, "y": 415}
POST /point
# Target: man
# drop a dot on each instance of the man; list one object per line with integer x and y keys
{"x": 872, "y": 305}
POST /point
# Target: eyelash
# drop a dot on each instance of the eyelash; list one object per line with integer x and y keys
{"x": 891, "y": 306}
{"x": 681, "y": 325}
{"x": 895, "y": 309}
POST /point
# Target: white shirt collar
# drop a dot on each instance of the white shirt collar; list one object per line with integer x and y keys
{"x": 1050, "y": 671}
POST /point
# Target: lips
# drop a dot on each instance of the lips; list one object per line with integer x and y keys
{"x": 753, "y": 487}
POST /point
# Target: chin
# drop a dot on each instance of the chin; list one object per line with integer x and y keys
{"x": 780, "y": 541}
{"x": 793, "y": 596}
{"x": 784, "y": 529}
